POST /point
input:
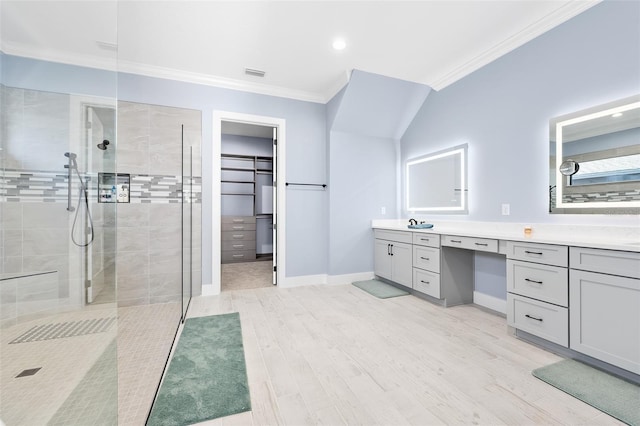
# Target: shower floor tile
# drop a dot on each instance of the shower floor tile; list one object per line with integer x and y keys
{"x": 71, "y": 369}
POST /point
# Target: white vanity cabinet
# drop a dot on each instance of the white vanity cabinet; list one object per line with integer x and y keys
{"x": 393, "y": 256}
{"x": 604, "y": 289}
{"x": 538, "y": 290}
{"x": 426, "y": 264}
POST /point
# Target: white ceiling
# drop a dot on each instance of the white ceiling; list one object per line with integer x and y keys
{"x": 211, "y": 42}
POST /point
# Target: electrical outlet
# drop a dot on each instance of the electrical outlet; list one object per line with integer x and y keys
{"x": 506, "y": 210}
{"x": 383, "y": 210}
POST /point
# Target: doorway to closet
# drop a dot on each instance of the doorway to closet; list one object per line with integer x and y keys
{"x": 250, "y": 204}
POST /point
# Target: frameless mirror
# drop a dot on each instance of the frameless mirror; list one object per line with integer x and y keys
{"x": 437, "y": 182}
{"x": 595, "y": 159}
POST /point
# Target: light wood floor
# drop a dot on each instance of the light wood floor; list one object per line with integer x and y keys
{"x": 335, "y": 355}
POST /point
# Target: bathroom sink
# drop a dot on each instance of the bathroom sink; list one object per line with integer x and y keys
{"x": 421, "y": 226}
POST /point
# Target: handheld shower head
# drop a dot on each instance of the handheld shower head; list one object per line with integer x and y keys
{"x": 72, "y": 160}
{"x": 103, "y": 145}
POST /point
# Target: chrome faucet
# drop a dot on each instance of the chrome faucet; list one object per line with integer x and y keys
{"x": 413, "y": 222}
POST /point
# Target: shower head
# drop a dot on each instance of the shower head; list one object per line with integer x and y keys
{"x": 70, "y": 155}
{"x": 103, "y": 145}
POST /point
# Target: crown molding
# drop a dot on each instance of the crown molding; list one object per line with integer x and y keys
{"x": 49, "y": 55}
{"x": 221, "y": 82}
{"x": 113, "y": 64}
{"x": 553, "y": 19}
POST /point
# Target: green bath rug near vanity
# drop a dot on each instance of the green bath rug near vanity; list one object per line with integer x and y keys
{"x": 609, "y": 394}
{"x": 379, "y": 289}
{"x": 207, "y": 375}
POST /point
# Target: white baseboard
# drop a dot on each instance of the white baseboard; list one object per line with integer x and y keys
{"x": 324, "y": 279}
{"x": 349, "y": 278}
{"x": 303, "y": 280}
{"x": 490, "y": 302}
{"x": 208, "y": 290}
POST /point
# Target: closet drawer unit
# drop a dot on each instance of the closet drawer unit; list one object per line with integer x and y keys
{"x": 424, "y": 239}
{"x": 426, "y": 258}
{"x": 238, "y": 256}
{"x": 621, "y": 263}
{"x": 426, "y": 282}
{"x": 548, "y": 254}
{"x": 239, "y": 236}
{"x": 471, "y": 243}
{"x": 543, "y": 282}
{"x": 239, "y": 226}
{"x": 544, "y": 320}
{"x": 238, "y": 245}
{"x": 399, "y": 236}
{"x": 238, "y": 219}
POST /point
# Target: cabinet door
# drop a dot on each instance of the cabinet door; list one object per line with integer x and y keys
{"x": 382, "y": 259}
{"x": 605, "y": 318}
{"x": 401, "y": 264}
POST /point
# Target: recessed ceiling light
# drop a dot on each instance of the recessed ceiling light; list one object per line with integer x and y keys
{"x": 107, "y": 45}
{"x": 616, "y": 115}
{"x": 339, "y": 44}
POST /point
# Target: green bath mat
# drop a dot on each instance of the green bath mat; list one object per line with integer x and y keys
{"x": 607, "y": 393}
{"x": 379, "y": 289}
{"x": 207, "y": 376}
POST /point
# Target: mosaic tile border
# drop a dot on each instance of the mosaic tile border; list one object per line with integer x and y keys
{"x": 51, "y": 187}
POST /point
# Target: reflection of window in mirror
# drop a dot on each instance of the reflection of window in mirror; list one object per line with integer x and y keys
{"x": 437, "y": 182}
{"x": 604, "y": 144}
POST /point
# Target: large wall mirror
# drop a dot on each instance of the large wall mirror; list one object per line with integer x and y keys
{"x": 437, "y": 182}
{"x": 595, "y": 160}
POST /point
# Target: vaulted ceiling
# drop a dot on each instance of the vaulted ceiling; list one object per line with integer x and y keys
{"x": 433, "y": 42}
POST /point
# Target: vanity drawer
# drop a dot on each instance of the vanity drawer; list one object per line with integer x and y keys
{"x": 621, "y": 263}
{"x": 543, "y": 282}
{"x": 425, "y": 239}
{"x": 426, "y": 258}
{"x": 544, "y": 320}
{"x": 238, "y": 219}
{"x": 238, "y": 245}
{"x": 239, "y": 236}
{"x": 426, "y": 282}
{"x": 548, "y": 254}
{"x": 239, "y": 226}
{"x": 471, "y": 243}
{"x": 238, "y": 256}
{"x": 399, "y": 236}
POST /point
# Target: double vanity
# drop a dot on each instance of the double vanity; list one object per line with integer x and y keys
{"x": 577, "y": 294}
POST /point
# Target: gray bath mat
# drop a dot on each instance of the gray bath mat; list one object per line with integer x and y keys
{"x": 379, "y": 289}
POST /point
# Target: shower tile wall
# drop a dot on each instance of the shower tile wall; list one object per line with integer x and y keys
{"x": 150, "y": 227}
{"x": 35, "y": 231}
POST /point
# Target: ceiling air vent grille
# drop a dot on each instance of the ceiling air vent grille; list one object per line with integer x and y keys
{"x": 254, "y": 72}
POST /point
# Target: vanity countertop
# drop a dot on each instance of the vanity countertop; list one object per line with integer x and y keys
{"x": 623, "y": 238}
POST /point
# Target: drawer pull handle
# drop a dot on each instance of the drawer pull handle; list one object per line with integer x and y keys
{"x": 533, "y": 318}
{"x": 533, "y": 252}
{"x": 532, "y": 281}
{"x": 242, "y": 255}
{"x": 456, "y": 241}
{"x": 238, "y": 227}
{"x": 424, "y": 282}
{"x": 238, "y": 245}
{"x": 238, "y": 220}
{"x": 482, "y": 244}
{"x": 424, "y": 239}
{"x": 238, "y": 237}
{"x": 424, "y": 258}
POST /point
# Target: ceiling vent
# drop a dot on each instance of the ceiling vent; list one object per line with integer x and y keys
{"x": 254, "y": 72}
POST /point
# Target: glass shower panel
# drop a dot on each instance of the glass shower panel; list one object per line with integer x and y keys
{"x": 58, "y": 319}
{"x": 187, "y": 223}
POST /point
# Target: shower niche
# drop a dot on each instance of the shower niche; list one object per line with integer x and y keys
{"x": 114, "y": 187}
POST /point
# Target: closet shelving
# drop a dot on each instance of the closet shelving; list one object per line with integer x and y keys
{"x": 242, "y": 202}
